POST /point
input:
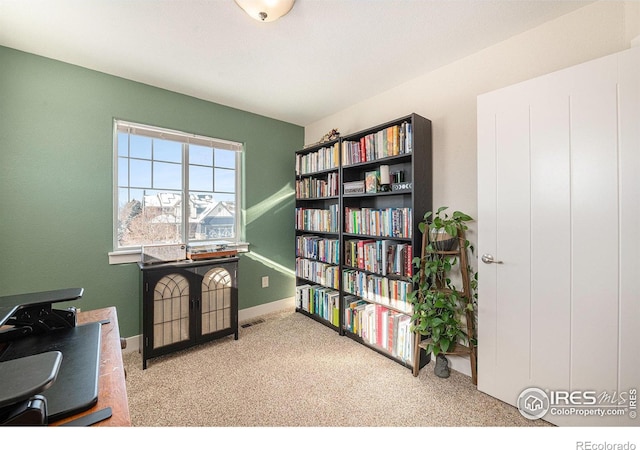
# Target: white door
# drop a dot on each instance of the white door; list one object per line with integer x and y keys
{"x": 559, "y": 213}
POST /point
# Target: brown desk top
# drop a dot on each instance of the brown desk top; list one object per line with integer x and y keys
{"x": 112, "y": 389}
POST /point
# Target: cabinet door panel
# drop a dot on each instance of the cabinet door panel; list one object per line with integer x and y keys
{"x": 216, "y": 305}
{"x": 170, "y": 310}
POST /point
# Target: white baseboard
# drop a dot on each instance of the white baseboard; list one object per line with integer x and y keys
{"x": 248, "y": 314}
{"x": 244, "y": 315}
{"x": 460, "y": 364}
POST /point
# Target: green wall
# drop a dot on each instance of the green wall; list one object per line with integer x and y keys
{"x": 56, "y": 174}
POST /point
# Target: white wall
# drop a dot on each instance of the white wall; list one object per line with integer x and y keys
{"x": 448, "y": 95}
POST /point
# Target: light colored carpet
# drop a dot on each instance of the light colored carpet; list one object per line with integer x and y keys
{"x": 290, "y": 371}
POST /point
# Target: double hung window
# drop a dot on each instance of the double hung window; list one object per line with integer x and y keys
{"x": 174, "y": 187}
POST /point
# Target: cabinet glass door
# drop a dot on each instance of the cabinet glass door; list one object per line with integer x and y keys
{"x": 216, "y": 300}
{"x": 170, "y": 310}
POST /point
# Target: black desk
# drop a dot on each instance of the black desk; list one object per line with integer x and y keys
{"x": 76, "y": 386}
{"x": 86, "y": 378}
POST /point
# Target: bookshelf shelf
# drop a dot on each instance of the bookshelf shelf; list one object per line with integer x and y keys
{"x": 328, "y": 197}
{"x": 319, "y": 233}
{"x": 397, "y": 159}
{"x": 377, "y": 194}
{"x": 374, "y": 236}
{"x": 380, "y": 350}
{"x": 316, "y": 173}
{"x": 371, "y": 291}
{"x": 319, "y": 319}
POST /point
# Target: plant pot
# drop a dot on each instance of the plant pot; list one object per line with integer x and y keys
{"x": 442, "y": 241}
{"x": 442, "y": 366}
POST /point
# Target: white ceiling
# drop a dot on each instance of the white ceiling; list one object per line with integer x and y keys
{"x": 323, "y": 56}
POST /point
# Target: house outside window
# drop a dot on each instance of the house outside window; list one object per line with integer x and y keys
{"x": 173, "y": 187}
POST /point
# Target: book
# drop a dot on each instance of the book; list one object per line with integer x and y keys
{"x": 384, "y": 328}
{"x": 302, "y": 296}
{"x": 334, "y": 303}
{"x": 394, "y": 319}
{"x": 361, "y": 252}
{"x": 371, "y": 182}
{"x": 404, "y": 345}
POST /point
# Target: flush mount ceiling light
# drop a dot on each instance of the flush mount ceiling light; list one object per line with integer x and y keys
{"x": 266, "y": 10}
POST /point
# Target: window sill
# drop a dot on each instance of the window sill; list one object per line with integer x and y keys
{"x": 124, "y": 257}
{"x": 134, "y": 256}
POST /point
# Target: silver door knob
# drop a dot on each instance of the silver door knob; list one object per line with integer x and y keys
{"x": 488, "y": 259}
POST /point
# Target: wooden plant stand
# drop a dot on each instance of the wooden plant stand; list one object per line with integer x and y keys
{"x": 458, "y": 349}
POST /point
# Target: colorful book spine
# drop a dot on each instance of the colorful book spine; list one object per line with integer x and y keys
{"x": 326, "y": 158}
{"x": 387, "y": 222}
{"x": 381, "y": 327}
{"x": 321, "y": 301}
{"x": 311, "y": 187}
{"x": 315, "y": 219}
{"x": 378, "y": 289}
{"x": 318, "y": 272}
{"x": 391, "y": 141}
{"x": 318, "y": 248}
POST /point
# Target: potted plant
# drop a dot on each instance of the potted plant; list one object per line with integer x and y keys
{"x": 442, "y": 311}
{"x": 444, "y": 229}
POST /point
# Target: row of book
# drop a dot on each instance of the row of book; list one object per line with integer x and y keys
{"x": 391, "y": 141}
{"x": 318, "y": 248}
{"x": 318, "y": 187}
{"x": 325, "y": 274}
{"x": 321, "y": 301}
{"x": 326, "y": 158}
{"x": 390, "y": 330}
{"x": 384, "y": 257}
{"x": 318, "y": 219}
{"x": 382, "y": 290}
{"x": 388, "y": 222}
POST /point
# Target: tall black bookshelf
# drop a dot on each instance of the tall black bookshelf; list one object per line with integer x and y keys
{"x": 318, "y": 223}
{"x": 385, "y": 187}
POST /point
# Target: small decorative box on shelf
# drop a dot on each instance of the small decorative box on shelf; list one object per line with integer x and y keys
{"x": 405, "y": 186}
{"x": 354, "y": 187}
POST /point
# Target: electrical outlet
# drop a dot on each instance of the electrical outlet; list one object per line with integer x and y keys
{"x": 265, "y": 282}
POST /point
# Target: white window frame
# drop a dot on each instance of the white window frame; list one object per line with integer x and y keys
{"x": 131, "y": 254}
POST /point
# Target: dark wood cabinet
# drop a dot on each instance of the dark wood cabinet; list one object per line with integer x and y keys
{"x": 187, "y": 303}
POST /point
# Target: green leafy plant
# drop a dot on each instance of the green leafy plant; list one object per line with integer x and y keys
{"x": 439, "y": 306}
{"x": 441, "y": 222}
